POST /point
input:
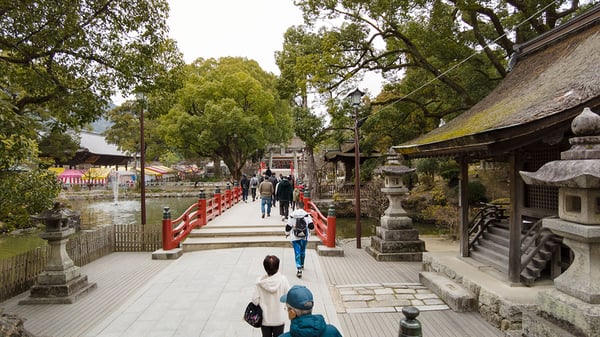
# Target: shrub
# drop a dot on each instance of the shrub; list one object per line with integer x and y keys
{"x": 445, "y": 217}
{"x": 23, "y": 194}
{"x": 476, "y": 192}
{"x": 449, "y": 170}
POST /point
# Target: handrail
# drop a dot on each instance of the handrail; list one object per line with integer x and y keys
{"x": 325, "y": 227}
{"x": 197, "y": 215}
{"x": 487, "y": 215}
{"x": 535, "y": 237}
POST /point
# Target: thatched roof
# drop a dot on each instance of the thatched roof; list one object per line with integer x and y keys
{"x": 556, "y": 76}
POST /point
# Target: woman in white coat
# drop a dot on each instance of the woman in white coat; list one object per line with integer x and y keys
{"x": 269, "y": 289}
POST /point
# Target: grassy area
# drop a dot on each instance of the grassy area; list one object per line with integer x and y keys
{"x": 11, "y": 245}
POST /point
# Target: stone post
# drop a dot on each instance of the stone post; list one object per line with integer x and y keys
{"x": 396, "y": 239}
{"x": 573, "y": 308}
{"x": 61, "y": 282}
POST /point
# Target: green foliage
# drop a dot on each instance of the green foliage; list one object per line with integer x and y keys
{"x": 59, "y": 145}
{"x": 450, "y": 171}
{"x": 438, "y": 197}
{"x": 227, "y": 108}
{"x": 125, "y": 132}
{"x": 439, "y": 58}
{"x": 477, "y": 192}
{"x": 26, "y": 193}
{"x": 427, "y": 166}
{"x": 60, "y": 63}
{"x": 445, "y": 217}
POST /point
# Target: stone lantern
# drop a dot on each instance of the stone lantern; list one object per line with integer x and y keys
{"x": 396, "y": 239}
{"x": 573, "y": 308}
{"x": 61, "y": 282}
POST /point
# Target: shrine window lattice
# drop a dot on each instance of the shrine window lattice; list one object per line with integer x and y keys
{"x": 542, "y": 197}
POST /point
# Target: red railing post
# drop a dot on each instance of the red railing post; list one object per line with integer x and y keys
{"x": 228, "y": 197}
{"x": 301, "y": 196}
{"x": 331, "y": 223}
{"x": 218, "y": 198}
{"x": 167, "y": 230}
{"x": 234, "y": 193}
{"x": 202, "y": 213}
{"x": 306, "y": 200}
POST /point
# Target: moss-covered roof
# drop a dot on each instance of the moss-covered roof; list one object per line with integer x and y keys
{"x": 556, "y": 76}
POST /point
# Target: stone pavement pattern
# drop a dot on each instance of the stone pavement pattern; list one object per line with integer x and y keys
{"x": 386, "y": 297}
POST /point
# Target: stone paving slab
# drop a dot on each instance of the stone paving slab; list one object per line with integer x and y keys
{"x": 387, "y": 297}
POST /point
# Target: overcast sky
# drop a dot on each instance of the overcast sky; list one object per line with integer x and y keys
{"x": 248, "y": 28}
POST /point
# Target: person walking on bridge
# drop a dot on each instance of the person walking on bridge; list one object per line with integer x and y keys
{"x": 298, "y": 228}
{"x": 265, "y": 190}
{"x": 284, "y": 192}
{"x": 245, "y": 184}
{"x": 267, "y": 293}
{"x": 299, "y": 301}
{"x": 253, "y": 186}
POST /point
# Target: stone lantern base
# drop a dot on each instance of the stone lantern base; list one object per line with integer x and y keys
{"x": 61, "y": 282}
{"x": 61, "y": 293}
{"x": 396, "y": 240}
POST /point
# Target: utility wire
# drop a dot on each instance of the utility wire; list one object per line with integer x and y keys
{"x": 466, "y": 59}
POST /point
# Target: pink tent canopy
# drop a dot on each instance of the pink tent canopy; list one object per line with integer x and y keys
{"x": 72, "y": 177}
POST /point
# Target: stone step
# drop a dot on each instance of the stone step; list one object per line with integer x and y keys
{"x": 222, "y": 242}
{"x": 455, "y": 295}
{"x": 490, "y": 258}
{"x": 207, "y": 231}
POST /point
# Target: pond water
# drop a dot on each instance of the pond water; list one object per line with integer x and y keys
{"x": 96, "y": 212}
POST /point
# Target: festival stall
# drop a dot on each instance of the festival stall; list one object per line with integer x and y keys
{"x": 96, "y": 175}
{"x": 71, "y": 177}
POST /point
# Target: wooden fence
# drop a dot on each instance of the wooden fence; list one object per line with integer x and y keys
{"x": 18, "y": 273}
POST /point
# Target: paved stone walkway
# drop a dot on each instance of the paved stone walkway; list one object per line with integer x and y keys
{"x": 388, "y": 297}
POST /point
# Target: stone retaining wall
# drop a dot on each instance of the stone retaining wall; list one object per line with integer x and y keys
{"x": 498, "y": 311}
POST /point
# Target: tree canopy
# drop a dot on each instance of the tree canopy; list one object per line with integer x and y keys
{"x": 60, "y": 63}
{"x": 227, "y": 108}
{"x": 438, "y": 58}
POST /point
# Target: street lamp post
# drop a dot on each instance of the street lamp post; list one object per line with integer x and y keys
{"x": 142, "y": 160}
{"x": 355, "y": 99}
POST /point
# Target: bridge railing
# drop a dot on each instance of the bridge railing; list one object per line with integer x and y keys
{"x": 197, "y": 215}
{"x": 324, "y": 225}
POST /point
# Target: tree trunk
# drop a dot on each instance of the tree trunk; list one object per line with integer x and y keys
{"x": 312, "y": 174}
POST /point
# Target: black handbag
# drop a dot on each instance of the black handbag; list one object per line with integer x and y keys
{"x": 253, "y": 315}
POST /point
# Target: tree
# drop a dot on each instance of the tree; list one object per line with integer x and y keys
{"x": 60, "y": 63}
{"x": 125, "y": 132}
{"x": 59, "y": 146}
{"x": 439, "y": 58}
{"x": 228, "y": 108}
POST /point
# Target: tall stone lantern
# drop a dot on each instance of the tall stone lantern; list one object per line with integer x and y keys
{"x": 573, "y": 307}
{"x": 61, "y": 282}
{"x": 396, "y": 239}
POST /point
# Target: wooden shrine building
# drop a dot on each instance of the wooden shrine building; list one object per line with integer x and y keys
{"x": 526, "y": 122}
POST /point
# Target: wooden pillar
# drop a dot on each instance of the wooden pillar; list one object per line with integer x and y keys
{"x": 517, "y": 190}
{"x": 463, "y": 200}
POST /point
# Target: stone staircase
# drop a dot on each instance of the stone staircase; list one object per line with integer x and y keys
{"x": 239, "y": 236}
{"x": 492, "y": 249}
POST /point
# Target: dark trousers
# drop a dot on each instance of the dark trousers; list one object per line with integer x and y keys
{"x": 271, "y": 331}
{"x": 284, "y": 208}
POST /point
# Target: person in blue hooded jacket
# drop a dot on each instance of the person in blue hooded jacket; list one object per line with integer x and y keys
{"x": 299, "y": 302}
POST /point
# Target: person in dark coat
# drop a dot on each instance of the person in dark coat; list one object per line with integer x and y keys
{"x": 285, "y": 192}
